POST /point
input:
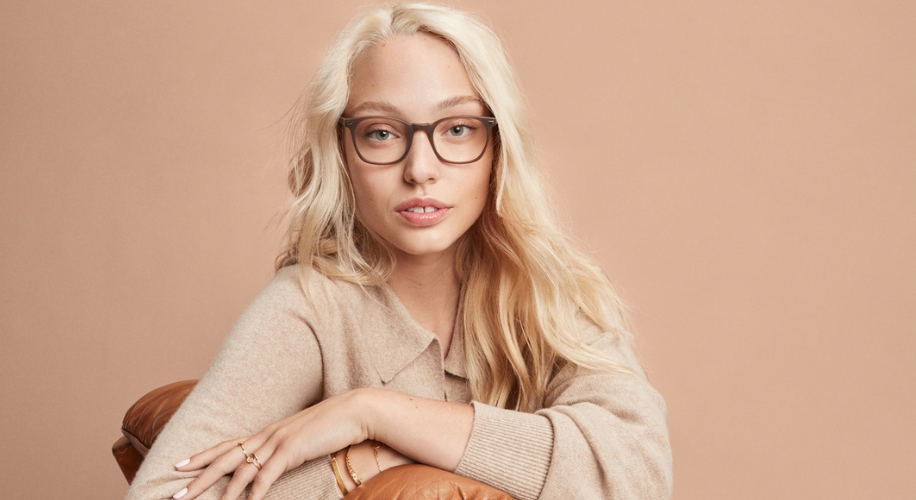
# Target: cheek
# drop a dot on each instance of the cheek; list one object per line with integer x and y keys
{"x": 484, "y": 180}
{"x": 482, "y": 190}
{"x": 359, "y": 176}
{"x": 478, "y": 190}
{"x": 362, "y": 192}
{"x": 371, "y": 193}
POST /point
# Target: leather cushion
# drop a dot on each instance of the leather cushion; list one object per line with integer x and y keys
{"x": 147, "y": 417}
{"x": 422, "y": 481}
{"x": 128, "y": 458}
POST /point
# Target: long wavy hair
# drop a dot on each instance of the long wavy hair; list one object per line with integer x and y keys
{"x": 526, "y": 287}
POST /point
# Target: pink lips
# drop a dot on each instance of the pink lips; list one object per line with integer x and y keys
{"x": 422, "y": 219}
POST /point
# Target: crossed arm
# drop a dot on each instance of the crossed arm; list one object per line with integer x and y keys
{"x": 422, "y": 430}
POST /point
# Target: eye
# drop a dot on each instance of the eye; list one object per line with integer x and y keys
{"x": 379, "y": 135}
{"x": 458, "y": 130}
{"x": 380, "y": 132}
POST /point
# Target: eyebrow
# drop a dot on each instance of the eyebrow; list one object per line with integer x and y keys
{"x": 452, "y": 102}
{"x": 386, "y": 107}
{"x": 374, "y": 106}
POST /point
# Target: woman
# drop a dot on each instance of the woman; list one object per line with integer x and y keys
{"x": 427, "y": 308}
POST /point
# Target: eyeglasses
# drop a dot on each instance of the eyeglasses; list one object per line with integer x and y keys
{"x": 382, "y": 140}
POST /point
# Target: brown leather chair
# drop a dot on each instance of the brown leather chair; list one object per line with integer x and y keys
{"x": 147, "y": 417}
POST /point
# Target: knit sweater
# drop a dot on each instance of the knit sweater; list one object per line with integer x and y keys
{"x": 598, "y": 434}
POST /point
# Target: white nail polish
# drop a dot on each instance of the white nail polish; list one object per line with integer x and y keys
{"x": 183, "y": 463}
{"x": 181, "y": 493}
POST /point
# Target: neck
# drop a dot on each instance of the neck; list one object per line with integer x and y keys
{"x": 429, "y": 289}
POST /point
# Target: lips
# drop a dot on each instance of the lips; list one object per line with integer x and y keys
{"x": 420, "y": 202}
{"x": 422, "y": 212}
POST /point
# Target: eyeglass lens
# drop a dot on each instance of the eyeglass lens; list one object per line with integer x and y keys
{"x": 382, "y": 140}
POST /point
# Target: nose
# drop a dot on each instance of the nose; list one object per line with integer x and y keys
{"x": 421, "y": 165}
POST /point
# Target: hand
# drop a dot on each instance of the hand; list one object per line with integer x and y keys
{"x": 319, "y": 430}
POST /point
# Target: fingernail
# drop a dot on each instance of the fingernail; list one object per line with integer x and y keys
{"x": 182, "y": 463}
{"x": 181, "y": 493}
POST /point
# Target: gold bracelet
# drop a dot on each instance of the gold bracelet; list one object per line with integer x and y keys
{"x": 340, "y": 481}
{"x": 375, "y": 448}
{"x": 350, "y": 468}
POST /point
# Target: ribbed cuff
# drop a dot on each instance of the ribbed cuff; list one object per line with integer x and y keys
{"x": 313, "y": 479}
{"x": 508, "y": 450}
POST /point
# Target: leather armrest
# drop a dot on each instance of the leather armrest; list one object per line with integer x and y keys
{"x": 147, "y": 417}
{"x": 144, "y": 421}
{"x": 413, "y": 481}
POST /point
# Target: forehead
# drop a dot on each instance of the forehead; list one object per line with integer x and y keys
{"x": 413, "y": 74}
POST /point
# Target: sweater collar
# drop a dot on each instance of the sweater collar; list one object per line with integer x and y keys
{"x": 455, "y": 362}
{"x": 411, "y": 340}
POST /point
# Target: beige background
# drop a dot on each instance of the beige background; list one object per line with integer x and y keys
{"x": 744, "y": 170}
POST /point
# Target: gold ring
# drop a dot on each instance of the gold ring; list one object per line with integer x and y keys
{"x": 241, "y": 445}
{"x": 253, "y": 459}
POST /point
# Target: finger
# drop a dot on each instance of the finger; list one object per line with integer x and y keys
{"x": 206, "y": 457}
{"x": 259, "y": 459}
{"x": 225, "y": 464}
{"x": 243, "y": 475}
{"x": 273, "y": 467}
{"x": 247, "y": 471}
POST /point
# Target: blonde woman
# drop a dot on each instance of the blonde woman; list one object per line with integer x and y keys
{"x": 427, "y": 309}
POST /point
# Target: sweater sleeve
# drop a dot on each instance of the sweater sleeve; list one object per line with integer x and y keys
{"x": 268, "y": 369}
{"x": 600, "y": 435}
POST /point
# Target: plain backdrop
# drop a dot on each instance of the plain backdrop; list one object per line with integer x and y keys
{"x": 745, "y": 171}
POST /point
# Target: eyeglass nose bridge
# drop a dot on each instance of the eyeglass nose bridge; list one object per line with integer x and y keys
{"x": 429, "y": 128}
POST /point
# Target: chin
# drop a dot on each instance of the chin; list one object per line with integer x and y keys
{"x": 423, "y": 249}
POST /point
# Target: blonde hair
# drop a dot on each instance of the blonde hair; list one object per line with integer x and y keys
{"x": 526, "y": 288}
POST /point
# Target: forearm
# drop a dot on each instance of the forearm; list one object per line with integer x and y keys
{"x": 428, "y": 431}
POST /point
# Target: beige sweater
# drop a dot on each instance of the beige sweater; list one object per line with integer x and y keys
{"x": 598, "y": 435}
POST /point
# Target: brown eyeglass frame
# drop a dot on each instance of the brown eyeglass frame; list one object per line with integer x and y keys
{"x": 412, "y": 128}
